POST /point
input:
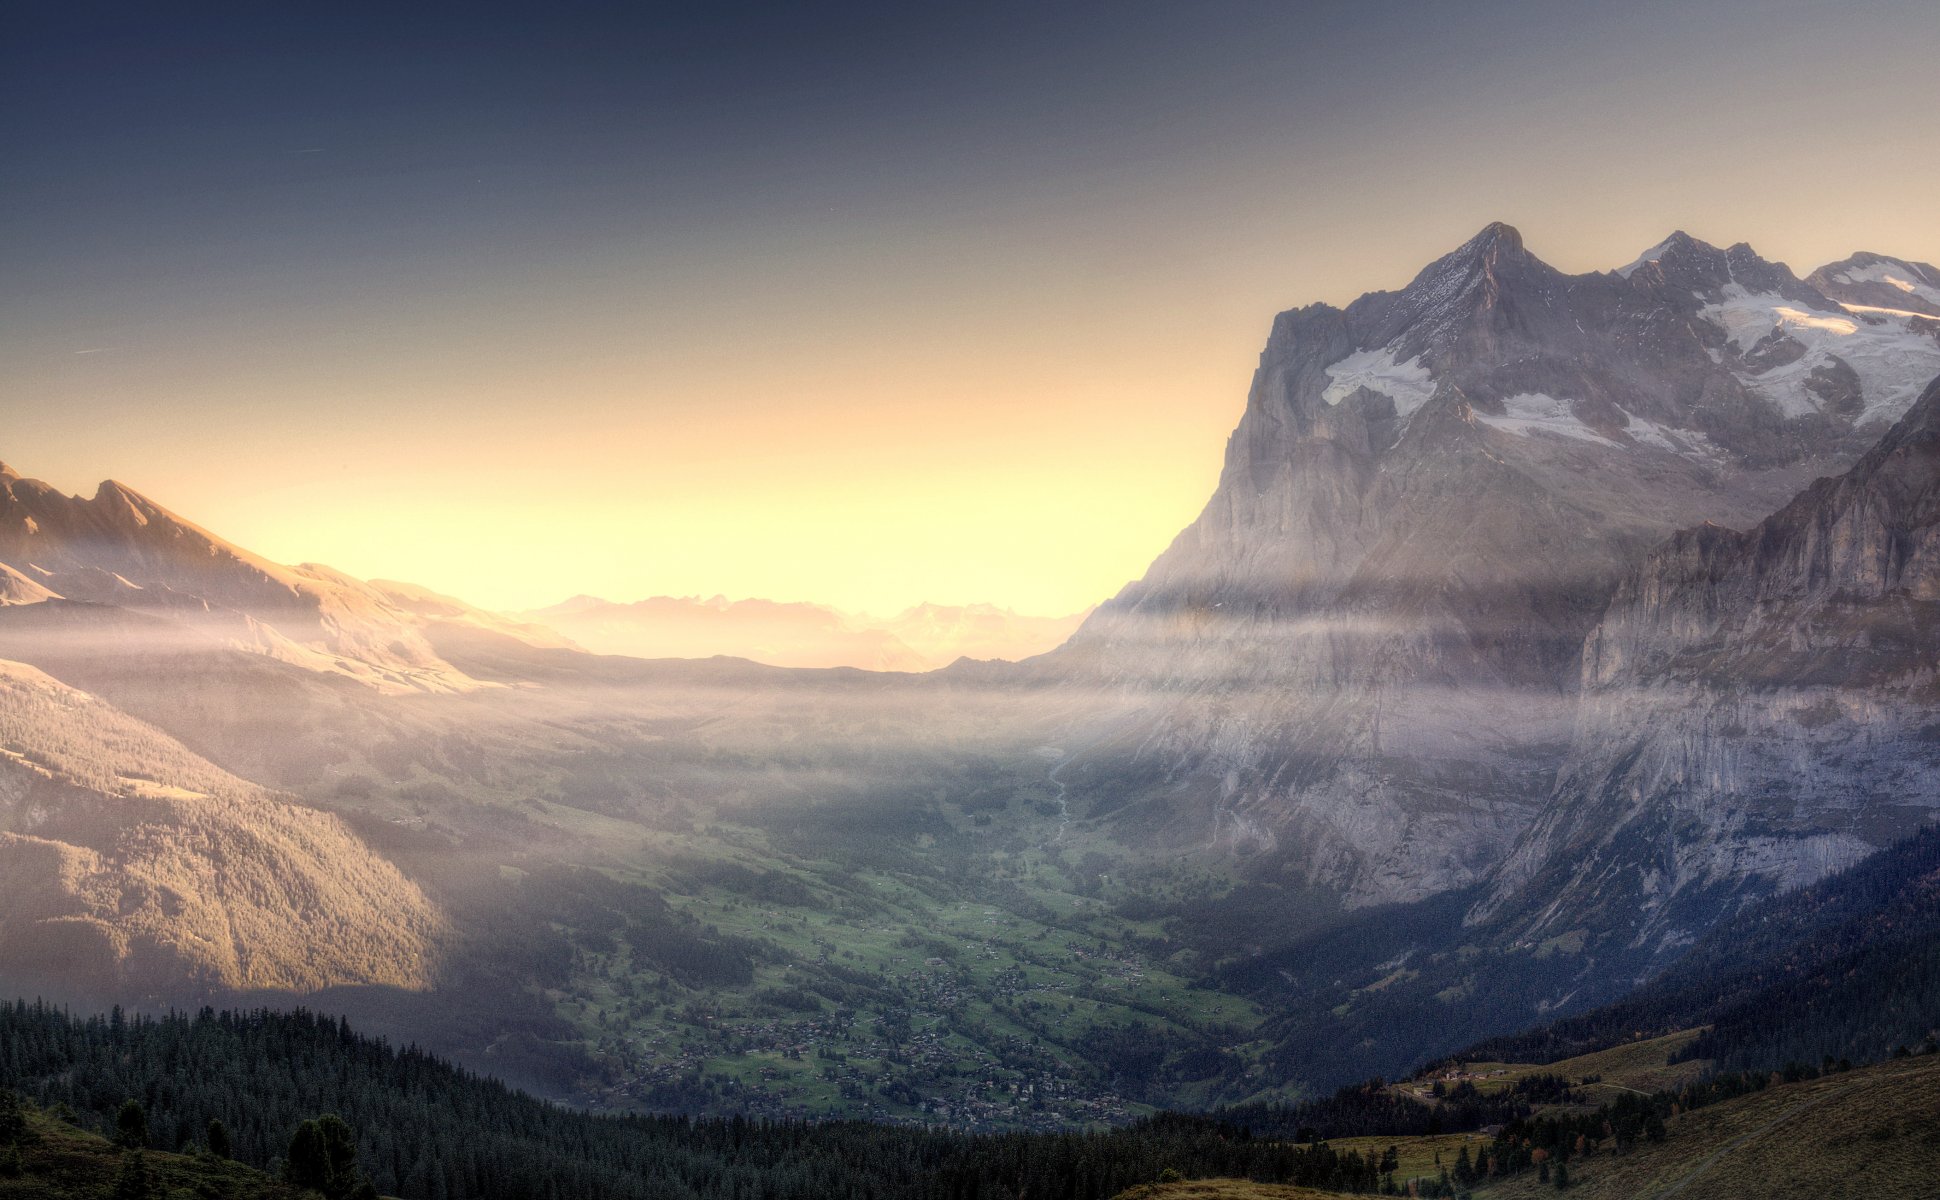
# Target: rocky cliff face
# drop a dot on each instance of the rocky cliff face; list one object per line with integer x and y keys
{"x": 1361, "y": 661}
{"x": 1759, "y": 708}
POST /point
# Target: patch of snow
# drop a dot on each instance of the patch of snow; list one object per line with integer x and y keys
{"x": 1893, "y": 275}
{"x": 1892, "y": 357}
{"x": 1875, "y": 310}
{"x": 1528, "y": 413}
{"x": 1409, "y": 384}
{"x": 1649, "y": 256}
{"x": 1687, "y": 443}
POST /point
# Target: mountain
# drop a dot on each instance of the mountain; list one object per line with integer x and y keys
{"x": 1848, "y": 967}
{"x": 779, "y": 634}
{"x": 1758, "y": 708}
{"x": 120, "y": 548}
{"x": 1358, "y": 668}
{"x": 1879, "y": 287}
{"x": 921, "y": 638}
{"x": 1385, "y": 753}
{"x": 944, "y": 633}
{"x": 131, "y": 866}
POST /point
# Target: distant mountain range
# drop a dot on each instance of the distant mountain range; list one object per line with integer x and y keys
{"x": 921, "y": 638}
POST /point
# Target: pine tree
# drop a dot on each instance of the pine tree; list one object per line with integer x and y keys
{"x": 13, "y": 1123}
{"x": 219, "y": 1144}
{"x": 131, "y": 1125}
{"x": 133, "y": 1182}
{"x": 339, "y": 1154}
{"x": 307, "y": 1165}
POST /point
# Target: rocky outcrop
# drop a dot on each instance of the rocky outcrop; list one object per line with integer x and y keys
{"x": 1358, "y": 667}
{"x": 1759, "y": 708}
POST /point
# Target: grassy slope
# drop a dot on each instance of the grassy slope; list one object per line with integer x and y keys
{"x": 1638, "y": 1066}
{"x": 1222, "y": 1189}
{"x": 60, "y": 1162}
{"x": 1870, "y": 1132}
{"x": 126, "y": 856}
{"x": 1874, "y": 1131}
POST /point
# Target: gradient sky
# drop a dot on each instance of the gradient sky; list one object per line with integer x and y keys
{"x": 863, "y": 304}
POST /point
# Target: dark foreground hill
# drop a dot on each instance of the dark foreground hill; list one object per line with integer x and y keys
{"x": 47, "y": 1158}
{"x": 426, "y": 1130}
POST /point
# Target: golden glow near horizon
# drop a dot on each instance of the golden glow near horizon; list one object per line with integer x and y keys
{"x": 948, "y": 449}
{"x": 857, "y": 349}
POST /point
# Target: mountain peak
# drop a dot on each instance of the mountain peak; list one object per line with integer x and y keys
{"x": 1499, "y": 231}
{"x": 7, "y": 472}
{"x": 1481, "y": 276}
{"x": 1678, "y": 245}
{"x": 1498, "y": 239}
{"x": 114, "y": 489}
{"x": 1881, "y": 281}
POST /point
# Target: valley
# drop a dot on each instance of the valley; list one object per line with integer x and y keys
{"x": 1348, "y": 781}
{"x": 864, "y": 601}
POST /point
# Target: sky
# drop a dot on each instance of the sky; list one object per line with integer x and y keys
{"x": 864, "y": 304}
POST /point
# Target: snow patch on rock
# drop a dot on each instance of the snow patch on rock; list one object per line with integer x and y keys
{"x": 1529, "y": 413}
{"x": 1892, "y": 357}
{"x": 1687, "y": 443}
{"x": 1409, "y": 383}
{"x": 1893, "y": 275}
{"x": 1649, "y": 256}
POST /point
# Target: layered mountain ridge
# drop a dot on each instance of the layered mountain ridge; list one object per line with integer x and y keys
{"x": 921, "y": 638}
{"x": 1759, "y": 709}
{"x": 121, "y": 549}
{"x": 1359, "y": 667}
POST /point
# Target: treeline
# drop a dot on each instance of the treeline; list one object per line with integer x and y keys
{"x": 426, "y": 1130}
{"x": 1371, "y": 1109}
{"x": 1846, "y": 968}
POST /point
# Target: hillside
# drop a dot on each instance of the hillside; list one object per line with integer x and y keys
{"x": 1870, "y": 1132}
{"x": 131, "y": 866}
{"x": 427, "y": 1131}
{"x": 59, "y": 1161}
{"x": 1846, "y": 968}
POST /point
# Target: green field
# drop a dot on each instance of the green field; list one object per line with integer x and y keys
{"x": 1637, "y": 1066}
{"x": 989, "y": 992}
